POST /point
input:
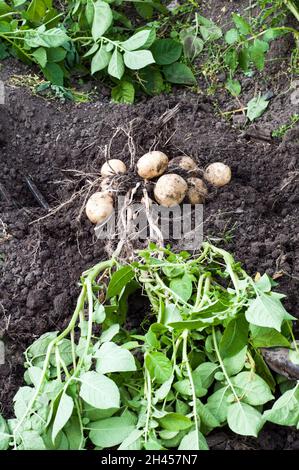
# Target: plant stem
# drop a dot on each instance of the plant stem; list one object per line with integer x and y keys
{"x": 189, "y": 372}
{"x": 222, "y": 365}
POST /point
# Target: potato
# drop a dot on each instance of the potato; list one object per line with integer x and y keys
{"x": 218, "y": 174}
{"x": 113, "y": 167}
{"x": 197, "y": 191}
{"x": 170, "y": 190}
{"x": 152, "y": 164}
{"x": 99, "y": 207}
{"x": 184, "y": 162}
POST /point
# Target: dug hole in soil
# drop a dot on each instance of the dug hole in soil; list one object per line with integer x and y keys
{"x": 61, "y": 146}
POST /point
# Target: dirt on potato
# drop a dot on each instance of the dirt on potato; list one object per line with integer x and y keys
{"x": 61, "y": 147}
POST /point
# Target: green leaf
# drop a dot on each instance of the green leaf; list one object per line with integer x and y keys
{"x": 36, "y": 10}
{"x": 233, "y": 345}
{"x": 113, "y": 358}
{"x": 136, "y": 60}
{"x": 56, "y": 54}
{"x": 243, "y": 419}
{"x": 266, "y": 310}
{"x": 159, "y": 366}
{"x": 63, "y": 414}
{"x": 40, "y": 56}
{"x": 100, "y": 60}
{"x": 152, "y": 80}
{"x": 35, "y": 374}
{"x": 206, "y": 372}
{"x": 231, "y": 59}
{"x": 102, "y": 19}
{"x": 285, "y": 410}
{"x": 231, "y": 36}
{"x": 54, "y": 37}
{"x": 193, "y": 441}
{"x": 99, "y": 391}
{"x": 179, "y": 73}
{"x": 124, "y": 92}
{"x": 162, "y": 392}
{"x": 207, "y": 418}
{"x": 111, "y": 431}
{"x": 133, "y": 441}
{"x": 243, "y": 58}
{"x": 99, "y": 314}
{"x": 182, "y": 287}
{"x": 242, "y": 25}
{"x": 118, "y": 280}
{"x": 92, "y": 50}
{"x": 108, "y": 334}
{"x": 116, "y": 66}
{"x": 252, "y": 388}
{"x": 31, "y": 440}
{"x": 4, "y": 434}
{"x": 267, "y": 337}
{"x": 210, "y": 33}
{"x": 175, "y": 422}
{"x": 21, "y": 400}
{"x": 166, "y": 51}
{"x": 171, "y": 312}
{"x": 233, "y": 86}
{"x": 217, "y": 404}
{"x": 273, "y": 33}
{"x": 54, "y": 73}
{"x": 193, "y": 46}
{"x": 257, "y": 53}
{"x": 142, "y": 39}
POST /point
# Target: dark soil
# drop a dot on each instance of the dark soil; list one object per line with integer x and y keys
{"x": 256, "y": 216}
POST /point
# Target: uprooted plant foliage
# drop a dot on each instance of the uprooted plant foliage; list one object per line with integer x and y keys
{"x": 197, "y": 367}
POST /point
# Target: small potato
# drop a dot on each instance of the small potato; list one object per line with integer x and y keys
{"x": 197, "y": 191}
{"x": 99, "y": 207}
{"x": 184, "y": 162}
{"x": 170, "y": 190}
{"x": 113, "y": 167}
{"x": 218, "y": 174}
{"x": 152, "y": 164}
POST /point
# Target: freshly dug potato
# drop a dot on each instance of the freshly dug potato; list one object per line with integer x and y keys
{"x": 152, "y": 164}
{"x": 197, "y": 191}
{"x": 218, "y": 174}
{"x": 113, "y": 167}
{"x": 170, "y": 190}
{"x": 184, "y": 162}
{"x": 99, "y": 206}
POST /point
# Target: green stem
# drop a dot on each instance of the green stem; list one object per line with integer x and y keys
{"x": 189, "y": 372}
{"x": 148, "y": 396}
{"x": 222, "y": 365}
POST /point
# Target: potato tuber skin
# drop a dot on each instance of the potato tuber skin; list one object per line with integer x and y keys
{"x": 113, "y": 167}
{"x": 197, "y": 191}
{"x": 218, "y": 174}
{"x": 152, "y": 164}
{"x": 99, "y": 207}
{"x": 170, "y": 190}
{"x": 184, "y": 163}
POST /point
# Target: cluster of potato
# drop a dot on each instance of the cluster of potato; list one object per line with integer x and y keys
{"x": 170, "y": 188}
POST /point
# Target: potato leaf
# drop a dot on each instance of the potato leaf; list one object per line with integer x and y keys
{"x": 243, "y": 419}
{"x": 102, "y": 19}
{"x": 99, "y": 391}
{"x": 113, "y": 358}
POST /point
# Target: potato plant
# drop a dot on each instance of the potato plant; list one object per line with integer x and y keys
{"x": 98, "y": 38}
{"x": 198, "y": 366}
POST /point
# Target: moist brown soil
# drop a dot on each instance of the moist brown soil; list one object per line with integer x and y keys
{"x": 62, "y": 147}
